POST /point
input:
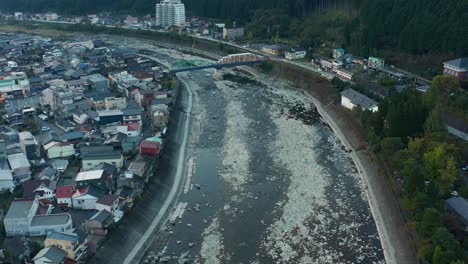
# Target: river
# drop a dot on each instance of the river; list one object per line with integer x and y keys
{"x": 268, "y": 181}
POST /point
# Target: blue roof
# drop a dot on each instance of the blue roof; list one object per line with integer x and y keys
{"x": 64, "y": 236}
{"x": 460, "y": 206}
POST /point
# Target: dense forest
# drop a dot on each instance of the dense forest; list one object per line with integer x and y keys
{"x": 363, "y": 26}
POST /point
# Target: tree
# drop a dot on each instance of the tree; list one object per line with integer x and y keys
{"x": 431, "y": 220}
{"x": 434, "y": 122}
{"x": 440, "y": 167}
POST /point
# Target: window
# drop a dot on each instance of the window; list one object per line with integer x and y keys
{"x": 113, "y": 163}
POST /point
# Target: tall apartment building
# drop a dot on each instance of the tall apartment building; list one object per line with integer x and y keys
{"x": 170, "y": 13}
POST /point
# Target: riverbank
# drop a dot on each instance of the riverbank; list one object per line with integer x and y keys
{"x": 383, "y": 206}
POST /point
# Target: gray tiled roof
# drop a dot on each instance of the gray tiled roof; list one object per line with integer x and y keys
{"x": 358, "y": 99}
{"x": 460, "y": 206}
{"x": 461, "y": 63}
{"x": 19, "y": 209}
{"x": 53, "y": 254}
{"x": 64, "y": 236}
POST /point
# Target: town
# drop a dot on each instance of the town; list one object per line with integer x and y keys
{"x": 84, "y": 124}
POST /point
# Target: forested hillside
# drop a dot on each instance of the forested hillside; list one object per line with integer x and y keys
{"x": 364, "y": 26}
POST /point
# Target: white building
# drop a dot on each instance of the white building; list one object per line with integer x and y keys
{"x": 170, "y": 13}
{"x": 344, "y": 74}
{"x": 21, "y": 220}
{"x": 85, "y": 198}
{"x": 56, "y": 149}
{"x": 6, "y": 180}
{"x": 295, "y": 54}
{"x": 351, "y": 98}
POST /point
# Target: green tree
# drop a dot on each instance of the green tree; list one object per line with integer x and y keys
{"x": 440, "y": 167}
{"x": 431, "y": 220}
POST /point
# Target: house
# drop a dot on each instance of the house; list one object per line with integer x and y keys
{"x": 98, "y": 221}
{"x": 338, "y": 54}
{"x": 85, "y": 198}
{"x": 132, "y": 114}
{"x": 42, "y": 189}
{"x": 98, "y": 178}
{"x": 273, "y": 50}
{"x": 347, "y": 75}
{"x": 295, "y": 54}
{"x": 456, "y": 126}
{"x": 91, "y": 156}
{"x": 64, "y": 195}
{"x": 20, "y": 167}
{"x": 71, "y": 243}
{"x": 375, "y": 63}
{"x": 29, "y": 145}
{"x": 326, "y": 64}
{"x": 233, "y": 33}
{"x": 459, "y": 206}
{"x": 112, "y": 103}
{"x": 351, "y": 98}
{"x": 160, "y": 118}
{"x": 24, "y": 218}
{"x": 126, "y": 196}
{"x": 97, "y": 82}
{"x": 150, "y": 147}
{"x": 56, "y": 149}
{"x": 6, "y": 181}
{"x": 109, "y": 117}
{"x": 108, "y": 202}
{"x": 48, "y": 173}
{"x": 50, "y": 255}
{"x": 457, "y": 68}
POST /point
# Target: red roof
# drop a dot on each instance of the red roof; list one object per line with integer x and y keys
{"x": 149, "y": 144}
{"x": 64, "y": 191}
{"x": 133, "y": 126}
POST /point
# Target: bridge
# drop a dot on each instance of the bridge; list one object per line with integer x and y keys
{"x": 232, "y": 60}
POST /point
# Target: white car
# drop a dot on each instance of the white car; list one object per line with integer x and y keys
{"x": 43, "y": 117}
{"x": 44, "y": 128}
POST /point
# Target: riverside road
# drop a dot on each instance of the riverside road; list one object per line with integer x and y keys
{"x": 265, "y": 180}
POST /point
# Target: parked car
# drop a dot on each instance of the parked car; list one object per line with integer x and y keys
{"x": 44, "y": 128}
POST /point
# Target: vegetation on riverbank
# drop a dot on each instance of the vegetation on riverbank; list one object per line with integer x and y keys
{"x": 409, "y": 137}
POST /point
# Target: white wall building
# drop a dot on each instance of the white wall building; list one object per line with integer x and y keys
{"x": 56, "y": 149}
{"x": 6, "y": 180}
{"x": 351, "y": 98}
{"x": 170, "y": 13}
{"x": 295, "y": 54}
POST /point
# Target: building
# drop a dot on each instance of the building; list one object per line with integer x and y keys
{"x": 98, "y": 178}
{"x": 91, "y": 156}
{"x": 6, "y": 181}
{"x": 457, "y": 68}
{"x": 170, "y": 13}
{"x": 64, "y": 194}
{"x": 97, "y": 82}
{"x": 131, "y": 21}
{"x": 273, "y": 50}
{"x": 71, "y": 243}
{"x": 29, "y": 145}
{"x": 55, "y": 149}
{"x": 233, "y": 33}
{"x": 459, "y": 206}
{"x": 338, "y": 54}
{"x": 351, "y": 99}
{"x": 150, "y": 147}
{"x": 295, "y": 54}
{"x": 50, "y": 255}
{"x": 456, "y": 126}
{"x": 112, "y": 103}
{"x": 85, "y": 198}
{"x": 42, "y": 189}
{"x": 347, "y": 75}
{"x": 109, "y": 117}
{"x": 108, "y": 202}
{"x": 20, "y": 167}
{"x": 375, "y": 63}
{"x": 23, "y": 219}
{"x": 98, "y": 222}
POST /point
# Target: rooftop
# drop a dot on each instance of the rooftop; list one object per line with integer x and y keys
{"x": 359, "y": 99}
{"x": 461, "y": 63}
{"x": 64, "y": 191}
{"x": 18, "y": 160}
{"x": 107, "y": 199}
{"x": 5, "y": 175}
{"x": 19, "y": 208}
{"x": 64, "y": 236}
{"x": 50, "y": 220}
{"x": 100, "y": 216}
{"x": 53, "y": 254}
{"x": 89, "y": 175}
{"x": 459, "y": 205}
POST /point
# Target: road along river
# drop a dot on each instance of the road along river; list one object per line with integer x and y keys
{"x": 267, "y": 180}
